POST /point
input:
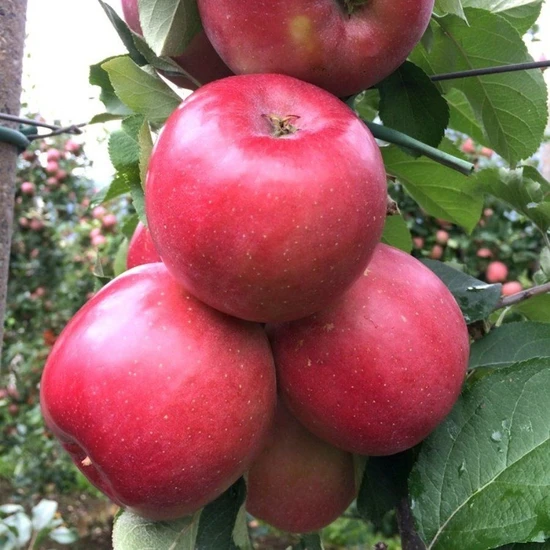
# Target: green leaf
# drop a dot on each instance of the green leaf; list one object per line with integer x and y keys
{"x": 481, "y": 479}
{"x": 115, "y": 107}
{"x": 443, "y": 7}
{"x": 397, "y": 234}
{"x": 441, "y": 191}
{"x": 311, "y": 541}
{"x": 132, "y": 532}
{"x": 462, "y": 116}
{"x": 43, "y": 513}
{"x": 169, "y": 25}
{"x": 523, "y": 189}
{"x": 217, "y": 523}
{"x": 129, "y": 226}
{"x": 138, "y": 200}
{"x": 511, "y": 343}
{"x": 522, "y": 14}
{"x": 511, "y": 106}
{"x": 528, "y": 546}
{"x": 124, "y": 32}
{"x": 536, "y": 308}
{"x": 63, "y": 535}
{"x": 119, "y": 186}
{"x": 384, "y": 484}
{"x": 476, "y": 298}
{"x": 367, "y": 104}
{"x": 141, "y": 91}
{"x": 545, "y": 261}
{"x": 119, "y": 263}
{"x": 145, "y": 142}
{"x": 411, "y": 103}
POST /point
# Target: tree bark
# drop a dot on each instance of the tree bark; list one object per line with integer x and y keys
{"x": 12, "y": 40}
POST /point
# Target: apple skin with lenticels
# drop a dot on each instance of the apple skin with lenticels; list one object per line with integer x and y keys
{"x": 295, "y": 468}
{"x": 141, "y": 249}
{"x": 161, "y": 401}
{"x": 248, "y": 210}
{"x": 375, "y": 373}
{"x": 344, "y": 46}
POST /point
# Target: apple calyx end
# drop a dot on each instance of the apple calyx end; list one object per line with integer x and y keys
{"x": 282, "y": 126}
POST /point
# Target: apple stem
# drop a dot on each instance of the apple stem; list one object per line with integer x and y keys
{"x": 352, "y": 5}
{"x": 282, "y": 126}
{"x": 393, "y": 136}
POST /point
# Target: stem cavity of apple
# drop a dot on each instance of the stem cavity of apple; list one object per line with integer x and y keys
{"x": 282, "y": 126}
{"x": 352, "y": 5}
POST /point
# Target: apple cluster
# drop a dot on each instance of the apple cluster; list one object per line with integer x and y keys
{"x": 261, "y": 327}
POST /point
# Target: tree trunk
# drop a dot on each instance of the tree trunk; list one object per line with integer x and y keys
{"x": 12, "y": 39}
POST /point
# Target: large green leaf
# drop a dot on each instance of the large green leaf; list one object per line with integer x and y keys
{"x": 441, "y": 191}
{"x": 217, "y": 526}
{"x": 522, "y": 14}
{"x": 536, "y": 308}
{"x": 511, "y": 106}
{"x": 511, "y": 343}
{"x": 132, "y": 532}
{"x": 100, "y": 77}
{"x": 169, "y": 25}
{"x": 462, "y": 116}
{"x": 476, "y": 299}
{"x": 482, "y": 479}
{"x": 411, "y": 103}
{"x": 124, "y": 33}
{"x": 443, "y": 7}
{"x": 140, "y": 90}
{"x": 523, "y": 189}
{"x": 383, "y": 485}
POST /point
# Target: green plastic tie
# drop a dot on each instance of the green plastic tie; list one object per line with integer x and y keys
{"x": 14, "y": 137}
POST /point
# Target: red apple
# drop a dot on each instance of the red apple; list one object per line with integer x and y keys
{"x": 418, "y": 242}
{"x": 52, "y": 167}
{"x": 254, "y": 216}
{"x": 511, "y": 287}
{"x": 109, "y": 221}
{"x": 200, "y": 59}
{"x": 343, "y": 46}
{"x": 95, "y": 232}
{"x": 141, "y": 249}
{"x": 497, "y": 272}
{"x": 441, "y": 237}
{"x": 486, "y": 152}
{"x": 161, "y": 401}
{"x": 52, "y": 181}
{"x": 72, "y": 146}
{"x": 28, "y": 188}
{"x": 375, "y": 373}
{"x": 468, "y": 146}
{"x": 436, "y": 253}
{"x": 488, "y": 212}
{"x": 36, "y": 225}
{"x": 299, "y": 483}
{"x": 484, "y": 253}
{"x": 98, "y": 240}
{"x": 53, "y": 155}
{"x": 98, "y": 212}
{"x": 61, "y": 175}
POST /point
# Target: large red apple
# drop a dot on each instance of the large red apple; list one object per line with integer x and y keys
{"x": 265, "y": 196}
{"x": 344, "y": 46}
{"x": 375, "y": 373}
{"x": 299, "y": 483}
{"x": 161, "y": 401}
{"x": 200, "y": 59}
{"x": 141, "y": 249}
